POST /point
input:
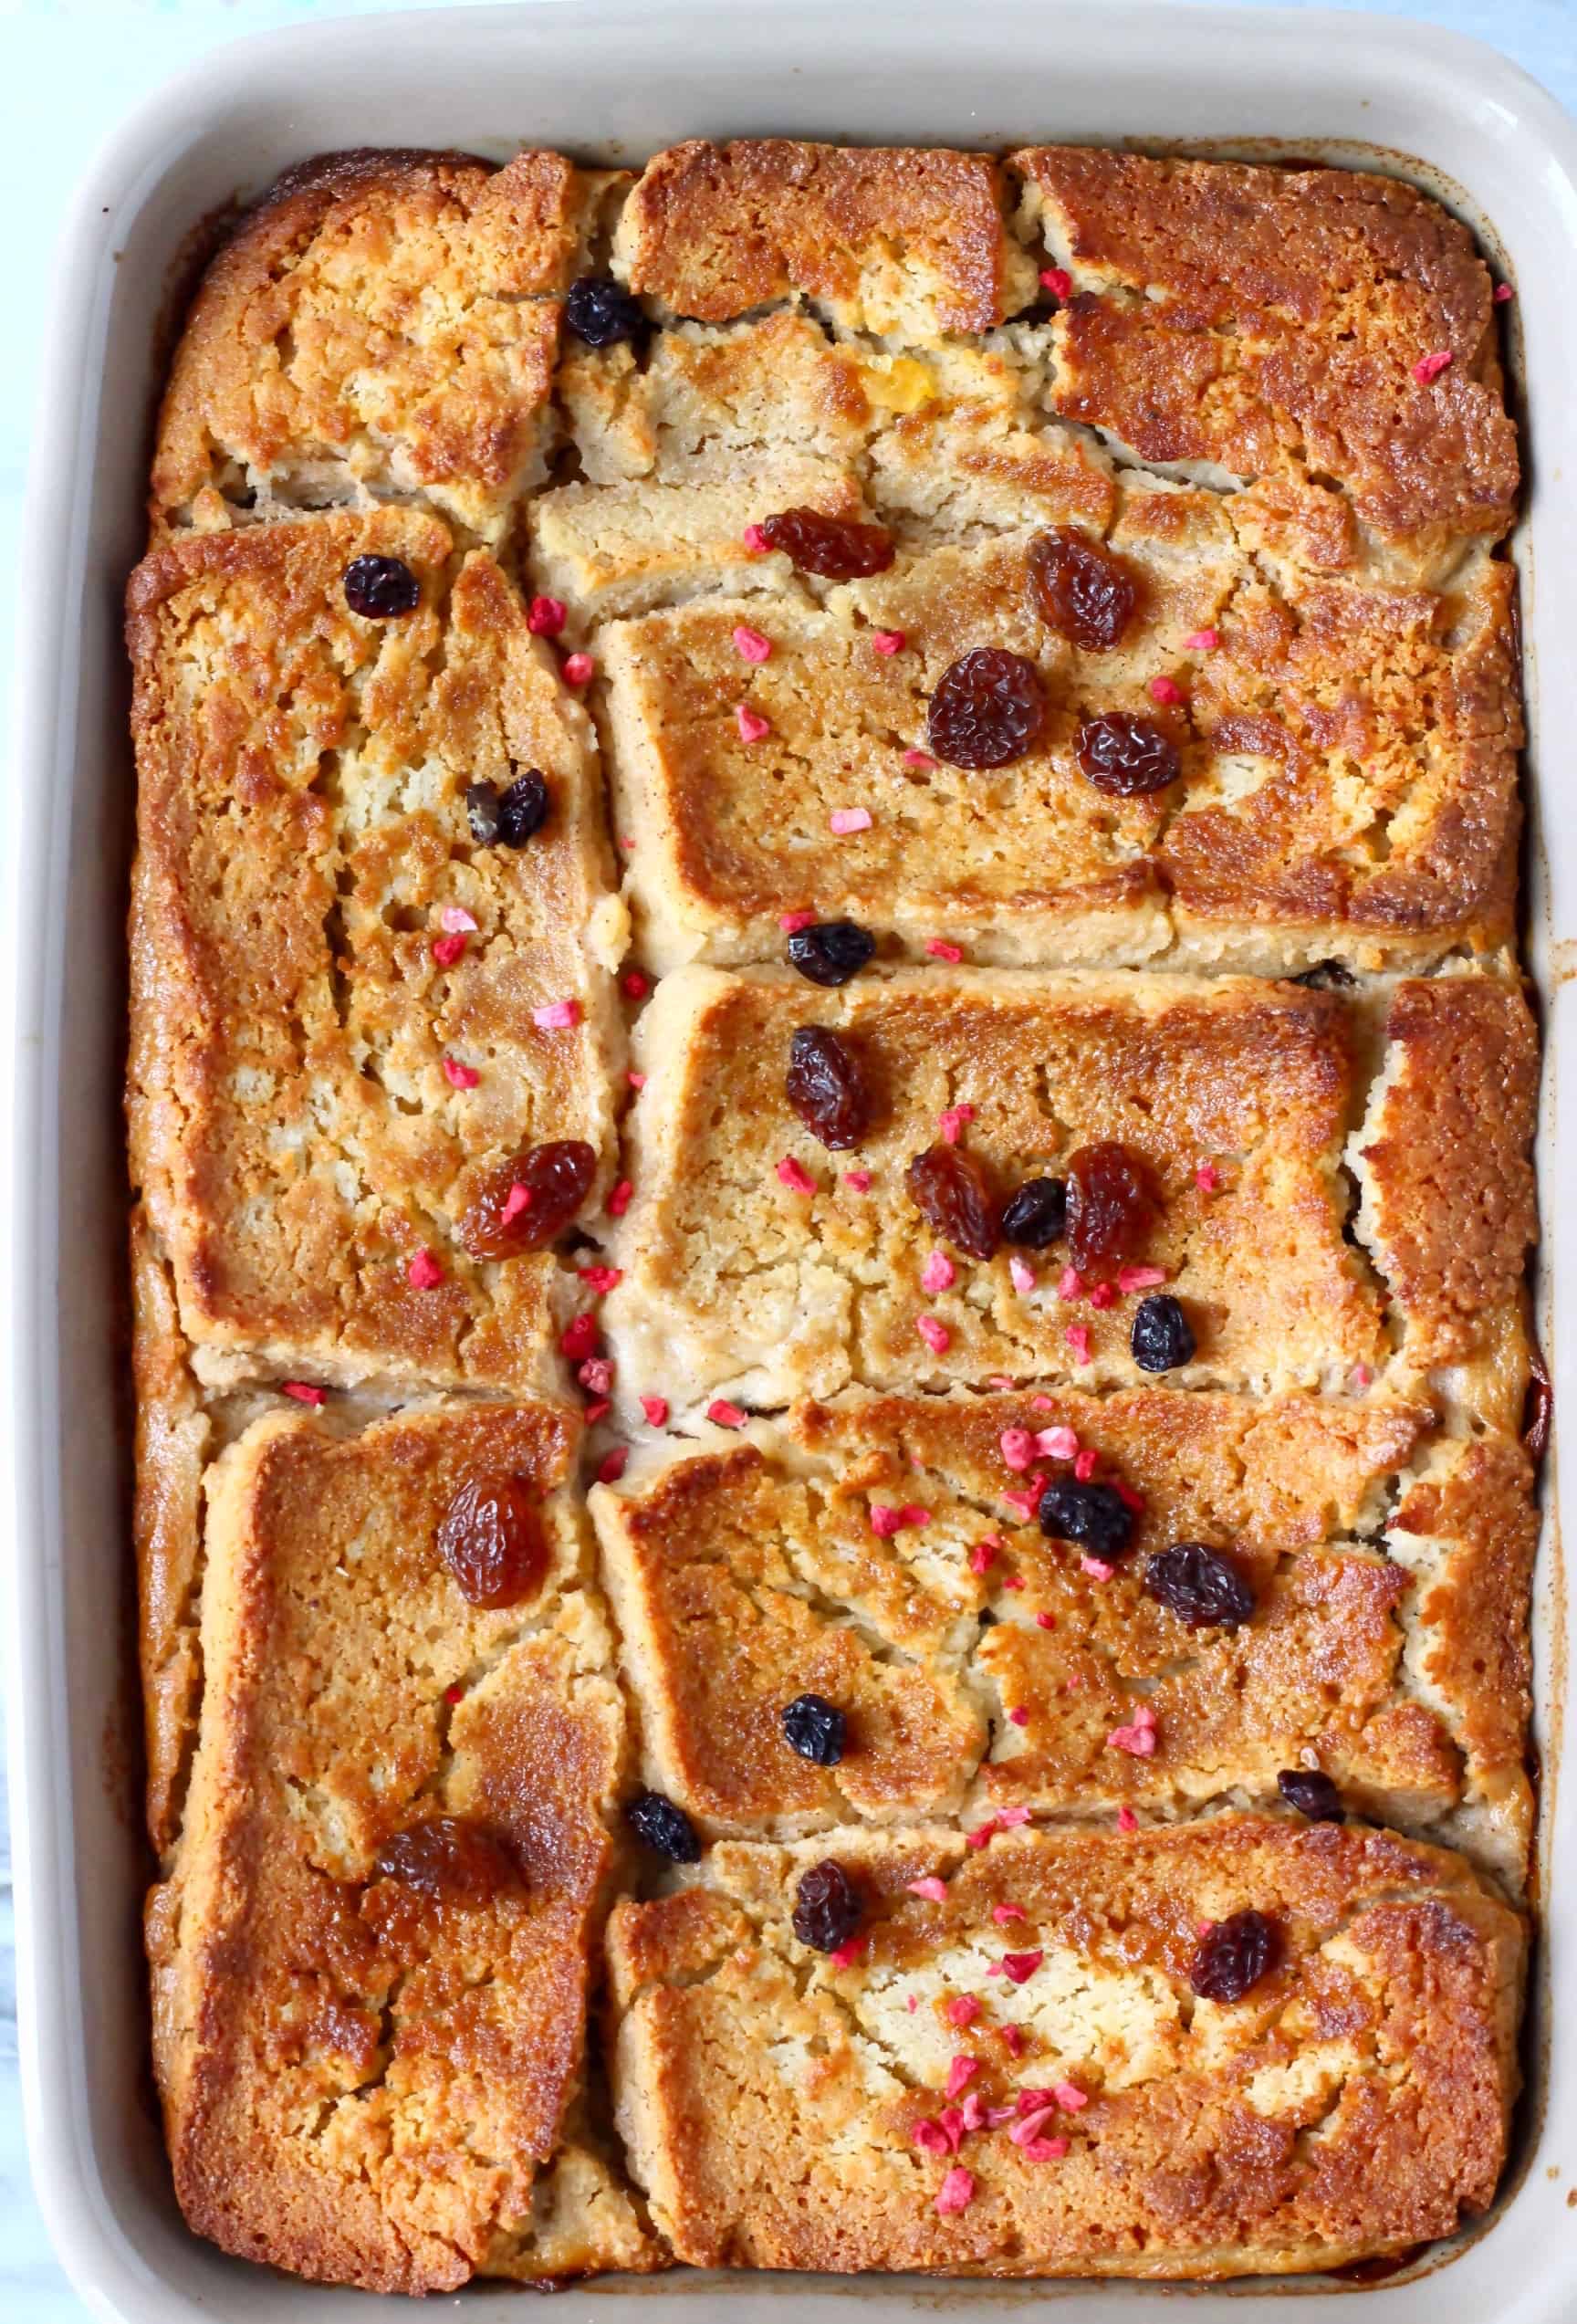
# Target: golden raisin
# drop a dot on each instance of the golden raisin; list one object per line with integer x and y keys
{"x": 445, "y": 1857}
{"x": 1112, "y": 1204}
{"x": 493, "y": 1541}
{"x": 949, "y": 1187}
{"x": 834, "y": 547}
{"x": 555, "y": 1179}
{"x": 1081, "y": 591}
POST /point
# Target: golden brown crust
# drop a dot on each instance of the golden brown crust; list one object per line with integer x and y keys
{"x": 361, "y": 2084}
{"x": 1281, "y": 318}
{"x": 302, "y": 827}
{"x": 888, "y": 239}
{"x": 1353, "y": 2104}
{"x": 379, "y": 323}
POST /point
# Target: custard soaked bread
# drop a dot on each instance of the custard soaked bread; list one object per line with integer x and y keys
{"x": 1234, "y": 2048}
{"x": 371, "y": 1961}
{"x": 1016, "y": 648}
{"x": 942, "y": 1174}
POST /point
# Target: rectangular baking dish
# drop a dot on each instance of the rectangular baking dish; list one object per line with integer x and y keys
{"x": 612, "y": 81}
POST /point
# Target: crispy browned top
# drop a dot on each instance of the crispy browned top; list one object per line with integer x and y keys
{"x": 887, "y": 237}
{"x": 1281, "y": 316}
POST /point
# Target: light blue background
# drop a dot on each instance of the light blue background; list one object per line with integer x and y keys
{"x": 68, "y": 70}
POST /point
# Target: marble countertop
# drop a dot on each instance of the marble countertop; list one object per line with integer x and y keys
{"x": 107, "y": 54}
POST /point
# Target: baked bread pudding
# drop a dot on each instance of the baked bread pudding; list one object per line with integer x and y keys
{"x": 829, "y": 1110}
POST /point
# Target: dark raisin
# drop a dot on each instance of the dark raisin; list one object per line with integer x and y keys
{"x": 1537, "y": 1410}
{"x": 1036, "y": 1215}
{"x": 664, "y": 1827}
{"x": 1326, "y": 976}
{"x": 1095, "y": 1516}
{"x": 601, "y": 312}
{"x": 1312, "y": 1794}
{"x": 492, "y": 1541}
{"x": 1234, "y": 1955}
{"x": 987, "y": 709}
{"x": 523, "y": 809}
{"x": 1201, "y": 1586}
{"x": 834, "y": 547}
{"x": 1162, "y": 1336}
{"x": 816, "y": 1729}
{"x": 379, "y": 588}
{"x": 1080, "y": 590}
{"x": 444, "y": 1856}
{"x": 827, "y": 1907}
{"x": 482, "y": 814}
{"x": 950, "y": 1190}
{"x": 827, "y": 1089}
{"x": 1112, "y": 1204}
{"x": 1124, "y": 756}
{"x": 556, "y": 1177}
{"x": 831, "y": 951}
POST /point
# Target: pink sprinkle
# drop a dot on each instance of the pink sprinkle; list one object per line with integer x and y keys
{"x": 938, "y": 1273}
{"x": 558, "y": 1017}
{"x": 446, "y": 949}
{"x": 304, "y": 1393}
{"x": 1029, "y": 2127}
{"x": 612, "y": 1465}
{"x": 974, "y": 2114}
{"x": 636, "y": 985}
{"x": 1022, "y": 1505}
{"x": 1138, "y": 1738}
{"x": 918, "y": 759}
{"x": 1044, "y": 2150}
{"x": 1078, "y": 1338}
{"x": 1103, "y": 1295}
{"x": 752, "y": 726}
{"x": 1013, "y": 2039}
{"x": 423, "y": 1272}
{"x": 597, "y": 1374}
{"x": 961, "y": 2070}
{"x": 1128, "y": 1497}
{"x": 1429, "y": 367}
{"x": 1021, "y": 1275}
{"x": 859, "y": 1179}
{"x": 1362, "y": 1377}
{"x": 1140, "y": 1278}
{"x": 912, "y": 1514}
{"x": 596, "y": 1410}
{"x": 979, "y": 1837}
{"x": 628, "y": 845}
{"x": 752, "y": 646}
{"x": 1012, "y": 1582}
{"x": 951, "y": 1121}
{"x": 1011, "y": 1817}
{"x": 940, "y": 948}
{"x": 1056, "y": 281}
{"x": 460, "y": 1076}
{"x": 1071, "y": 2097}
{"x": 1069, "y": 1284}
{"x": 793, "y": 922}
{"x": 912, "y": 2003}
{"x": 847, "y": 1953}
{"x": 455, "y": 918}
{"x": 981, "y": 1558}
{"x": 935, "y": 1334}
{"x": 934, "y": 1891}
{"x": 600, "y": 1279}
{"x": 1019, "y": 1718}
{"x": 884, "y": 1519}
{"x": 1085, "y": 1464}
{"x": 795, "y": 1177}
{"x": 1126, "y": 1819}
{"x": 636, "y": 1081}
{"x": 1203, "y": 641}
{"x": 1002, "y": 1380}
{"x": 578, "y": 1337}
{"x": 1003, "y": 1913}
{"x": 957, "y": 2192}
{"x": 844, "y": 819}
{"x": 1097, "y": 1568}
{"x": 577, "y": 669}
{"x": 1206, "y": 1177}
{"x": 1502, "y": 294}
{"x": 547, "y": 616}
{"x": 962, "y": 2010}
{"x": 756, "y": 541}
{"x": 1164, "y": 690}
{"x": 1017, "y": 1447}
{"x": 655, "y": 1409}
{"x": 887, "y": 641}
{"x": 1018, "y": 1966}
{"x": 931, "y": 2138}
{"x": 619, "y": 1201}
{"x": 727, "y": 1415}
{"x": 1058, "y": 1444}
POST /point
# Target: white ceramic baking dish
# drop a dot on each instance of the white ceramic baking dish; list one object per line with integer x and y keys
{"x": 612, "y": 80}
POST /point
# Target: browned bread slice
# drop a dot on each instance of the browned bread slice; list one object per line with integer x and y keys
{"x": 786, "y": 2108}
